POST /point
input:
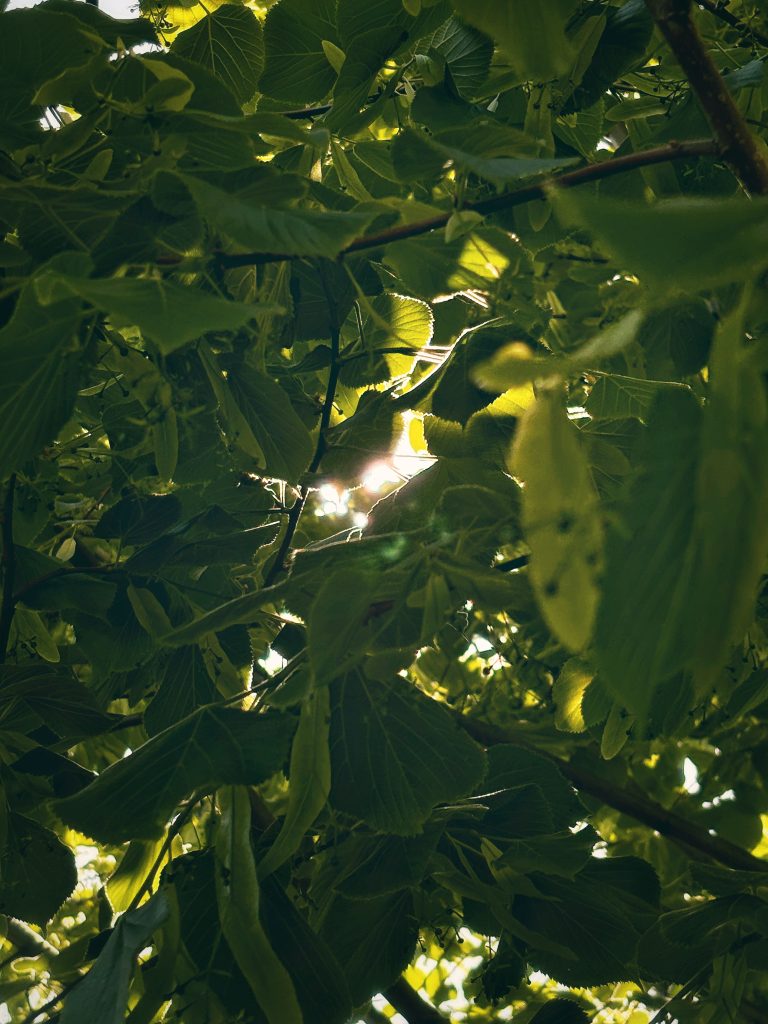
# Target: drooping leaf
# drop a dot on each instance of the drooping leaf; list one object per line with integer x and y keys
{"x": 267, "y": 409}
{"x": 731, "y": 533}
{"x": 102, "y": 996}
{"x": 561, "y": 520}
{"x": 212, "y": 747}
{"x": 310, "y": 779}
{"x": 238, "y": 898}
{"x": 641, "y": 636}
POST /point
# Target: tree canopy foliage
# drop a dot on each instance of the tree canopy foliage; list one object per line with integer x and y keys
{"x": 495, "y": 744}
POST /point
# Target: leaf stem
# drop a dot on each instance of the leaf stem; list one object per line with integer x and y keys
{"x": 737, "y": 144}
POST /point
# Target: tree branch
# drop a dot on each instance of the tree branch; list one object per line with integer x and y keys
{"x": 294, "y": 514}
{"x": 410, "y": 1005}
{"x": 719, "y": 10}
{"x": 629, "y": 801}
{"x": 593, "y": 172}
{"x": 737, "y": 144}
{"x": 8, "y": 561}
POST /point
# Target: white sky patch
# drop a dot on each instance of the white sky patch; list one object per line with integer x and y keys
{"x": 378, "y": 475}
{"x": 114, "y": 8}
{"x": 690, "y": 777}
{"x": 334, "y": 501}
{"x": 272, "y": 662}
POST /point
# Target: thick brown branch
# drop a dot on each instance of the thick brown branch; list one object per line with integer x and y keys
{"x": 737, "y": 144}
{"x": 631, "y": 802}
{"x": 410, "y": 1005}
{"x": 527, "y": 194}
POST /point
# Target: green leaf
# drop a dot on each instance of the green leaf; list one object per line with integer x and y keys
{"x": 486, "y": 149}
{"x": 561, "y": 520}
{"x": 273, "y": 421}
{"x": 294, "y": 232}
{"x": 467, "y": 54}
{"x": 531, "y": 34}
{"x": 515, "y": 364}
{"x": 168, "y": 314}
{"x": 239, "y": 611}
{"x": 310, "y": 780}
{"x": 53, "y": 697}
{"x": 184, "y": 687}
{"x": 641, "y": 635}
{"x": 37, "y": 871}
{"x": 40, "y": 357}
{"x": 124, "y": 885}
{"x": 296, "y": 67}
{"x": 731, "y": 533}
{"x": 374, "y": 939}
{"x": 371, "y": 866}
{"x": 346, "y": 617}
{"x": 674, "y": 245}
{"x": 228, "y": 42}
{"x": 569, "y": 692}
{"x": 363, "y": 438}
{"x": 614, "y": 396}
{"x": 388, "y": 321}
{"x": 102, "y": 996}
{"x": 563, "y": 854}
{"x": 358, "y": 72}
{"x": 238, "y": 898}
{"x": 423, "y": 756}
{"x": 517, "y": 770}
{"x": 36, "y": 46}
{"x": 139, "y": 519}
{"x": 560, "y": 1011}
{"x": 320, "y": 981}
{"x": 621, "y": 47}
{"x": 616, "y": 732}
{"x": 215, "y": 746}
{"x": 602, "y": 916}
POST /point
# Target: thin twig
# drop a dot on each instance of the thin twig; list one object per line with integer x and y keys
{"x": 8, "y": 561}
{"x": 593, "y": 172}
{"x": 294, "y": 514}
{"x": 738, "y": 145}
{"x": 719, "y": 10}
